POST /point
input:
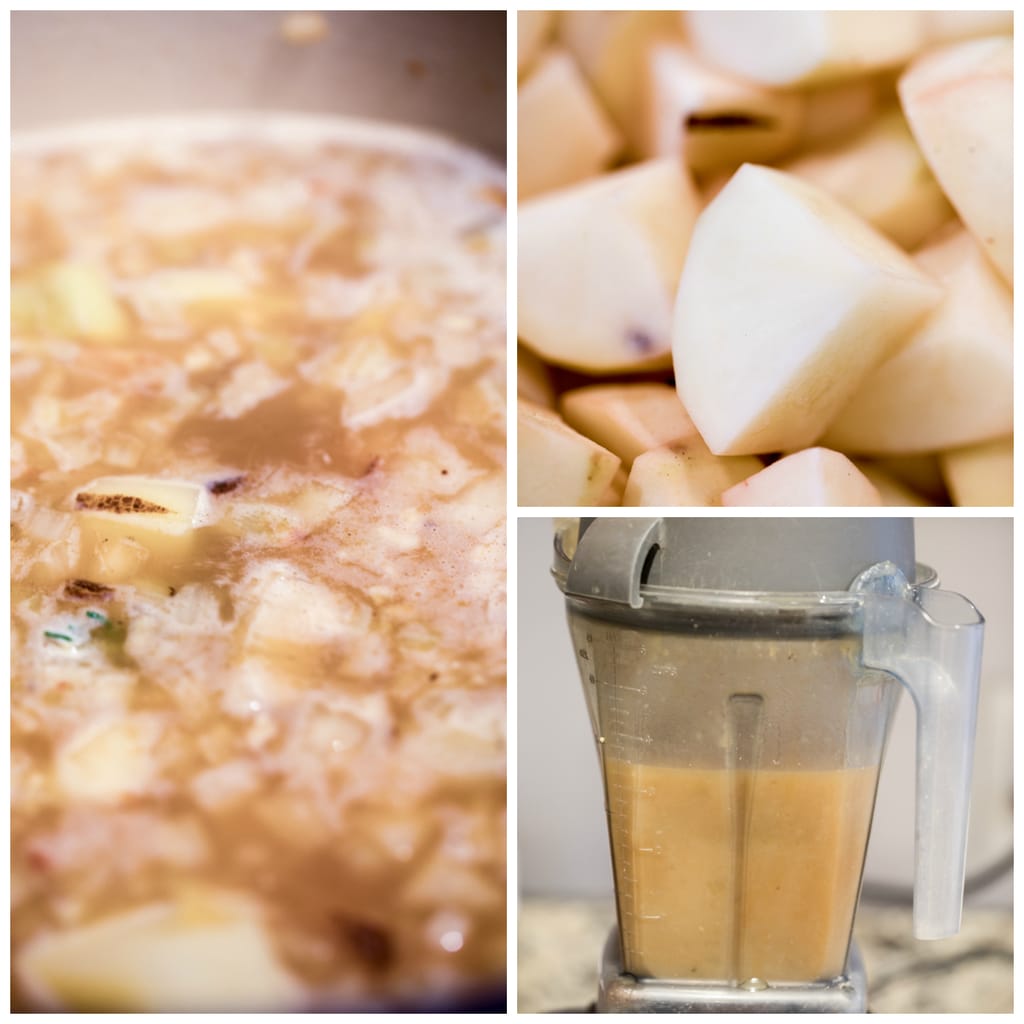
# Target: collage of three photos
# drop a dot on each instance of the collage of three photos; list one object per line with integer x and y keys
{"x": 286, "y": 579}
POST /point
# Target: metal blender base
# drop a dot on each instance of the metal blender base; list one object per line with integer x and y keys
{"x": 619, "y": 992}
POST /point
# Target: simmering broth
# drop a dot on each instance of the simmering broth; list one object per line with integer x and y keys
{"x": 258, "y": 563}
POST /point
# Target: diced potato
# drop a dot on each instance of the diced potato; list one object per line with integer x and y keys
{"x": 138, "y": 528}
{"x": 292, "y": 615}
{"x": 208, "y": 951}
{"x": 533, "y": 381}
{"x": 981, "y": 474}
{"x": 558, "y": 466}
{"x": 68, "y": 299}
{"x": 564, "y": 135}
{"x": 833, "y": 112}
{"x": 611, "y": 48}
{"x": 598, "y": 266}
{"x": 787, "y": 301}
{"x": 921, "y": 473}
{"x": 951, "y": 383}
{"x": 947, "y": 26}
{"x": 109, "y": 759}
{"x": 959, "y": 104}
{"x": 628, "y": 419}
{"x": 882, "y": 176}
{"x": 793, "y": 47}
{"x": 713, "y": 119}
{"x": 613, "y": 495}
{"x": 686, "y": 474}
{"x": 533, "y": 30}
{"x": 813, "y": 477}
{"x": 893, "y": 493}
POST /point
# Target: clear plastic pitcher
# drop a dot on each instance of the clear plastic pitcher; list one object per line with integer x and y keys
{"x": 741, "y": 676}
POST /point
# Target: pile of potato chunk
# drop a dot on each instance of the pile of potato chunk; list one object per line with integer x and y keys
{"x": 765, "y": 258}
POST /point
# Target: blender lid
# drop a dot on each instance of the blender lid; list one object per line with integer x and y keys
{"x": 615, "y": 556}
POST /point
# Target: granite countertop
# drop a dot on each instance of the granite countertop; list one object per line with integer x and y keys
{"x": 560, "y": 942}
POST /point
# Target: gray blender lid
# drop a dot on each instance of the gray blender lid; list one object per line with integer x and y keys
{"x": 614, "y": 556}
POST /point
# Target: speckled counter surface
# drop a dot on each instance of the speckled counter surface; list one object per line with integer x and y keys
{"x": 560, "y": 941}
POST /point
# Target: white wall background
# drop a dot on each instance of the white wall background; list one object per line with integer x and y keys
{"x": 563, "y": 848}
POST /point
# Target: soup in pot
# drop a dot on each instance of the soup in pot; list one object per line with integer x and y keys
{"x": 258, "y": 557}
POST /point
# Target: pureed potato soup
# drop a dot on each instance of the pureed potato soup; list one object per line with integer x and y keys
{"x": 258, "y": 695}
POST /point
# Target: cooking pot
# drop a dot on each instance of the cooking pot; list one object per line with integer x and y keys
{"x": 440, "y": 71}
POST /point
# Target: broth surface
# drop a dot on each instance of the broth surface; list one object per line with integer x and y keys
{"x": 258, "y": 558}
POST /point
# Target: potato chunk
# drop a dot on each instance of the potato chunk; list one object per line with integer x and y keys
{"x": 109, "y": 760}
{"x": 207, "y": 951}
{"x": 893, "y": 493}
{"x": 832, "y": 112}
{"x": 959, "y": 104}
{"x": 558, "y": 466}
{"x": 881, "y": 175}
{"x": 598, "y": 266}
{"x": 951, "y": 383}
{"x": 564, "y": 135}
{"x": 69, "y": 299}
{"x": 715, "y": 120}
{"x": 628, "y": 419}
{"x": 814, "y": 476}
{"x": 533, "y": 381}
{"x": 136, "y": 528}
{"x": 786, "y": 302}
{"x": 611, "y": 48}
{"x": 981, "y": 474}
{"x": 947, "y": 26}
{"x": 791, "y": 47}
{"x": 685, "y": 474}
{"x": 533, "y": 30}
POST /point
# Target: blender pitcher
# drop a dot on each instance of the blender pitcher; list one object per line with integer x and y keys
{"x": 741, "y": 676}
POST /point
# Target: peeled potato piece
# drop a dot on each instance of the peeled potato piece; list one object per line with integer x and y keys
{"x": 947, "y": 26}
{"x": 959, "y": 104}
{"x": 613, "y": 493}
{"x": 792, "y": 47}
{"x": 628, "y": 419}
{"x": 69, "y": 299}
{"x": 814, "y": 476}
{"x": 893, "y": 493}
{"x": 685, "y": 475}
{"x": 108, "y": 760}
{"x": 533, "y": 30}
{"x": 951, "y": 383}
{"x": 558, "y": 466}
{"x": 138, "y": 528}
{"x": 611, "y": 48}
{"x": 881, "y": 175}
{"x": 921, "y": 473}
{"x": 533, "y": 380}
{"x": 715, "y": 120}
{"x": 207, "y": 951}
{"x": 598, "y": 267}
{"x": 833, "y": 112}
{"x": 981, "y": 474}
{"x": 787, "y": 301}
{"x": 564, "y": 135}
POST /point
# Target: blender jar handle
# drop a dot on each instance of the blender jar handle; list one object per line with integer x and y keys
{"x": 930, "y": 640}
